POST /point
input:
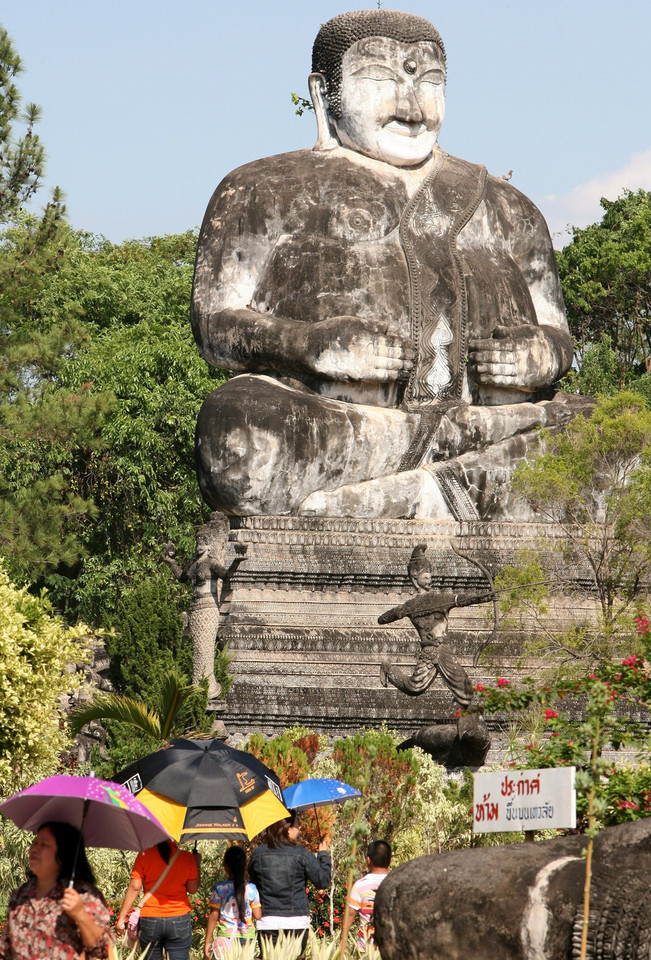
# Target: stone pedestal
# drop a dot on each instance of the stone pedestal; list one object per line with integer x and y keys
{"x": 301, "y": 619}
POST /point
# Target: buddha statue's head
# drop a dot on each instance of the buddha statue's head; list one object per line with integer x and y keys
{"x": 378, "y": 84}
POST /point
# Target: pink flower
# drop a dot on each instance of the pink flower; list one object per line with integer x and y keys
{"x": 501, "y": 682}
{"x": 632, "y": 661}
{"x": 550, "y": 714}
{"x": 642, "y": 623}
{"x": 480, "y": 688}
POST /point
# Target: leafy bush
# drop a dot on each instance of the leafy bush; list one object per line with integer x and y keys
{"x": 38, "y": 652}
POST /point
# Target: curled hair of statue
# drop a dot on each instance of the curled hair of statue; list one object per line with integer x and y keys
{"x": 341, "y": 32}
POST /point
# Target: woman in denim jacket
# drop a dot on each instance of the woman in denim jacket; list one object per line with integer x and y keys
{"x": 280, "y": 868}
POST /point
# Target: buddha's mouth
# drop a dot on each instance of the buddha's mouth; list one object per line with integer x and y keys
{"x": 405, "y": 128}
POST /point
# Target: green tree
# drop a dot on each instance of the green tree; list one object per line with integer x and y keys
{"x": 593, "y": 480}
{"x": 606, "y": 275}
{"x": 148, "y": 639}
{"x": 31, "y": 251}
{"x": 21, "y": 157}
{"x": 36, "y": 651}
{"x": 106, "y": 422}
{"x": 30, "y": 246}
{"x": 598, "y": 375}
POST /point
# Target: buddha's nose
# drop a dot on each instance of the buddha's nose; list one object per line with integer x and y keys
{"x": 408, "y": 107}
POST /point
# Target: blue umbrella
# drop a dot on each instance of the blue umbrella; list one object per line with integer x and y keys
{"x": 317, "y": 793}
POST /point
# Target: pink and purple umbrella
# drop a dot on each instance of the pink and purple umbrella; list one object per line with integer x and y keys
{"x": 105, "y": 813}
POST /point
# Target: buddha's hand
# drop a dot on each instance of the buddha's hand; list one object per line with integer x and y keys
{"x": 520, "y": 358}
{"x": 348, "y": 348}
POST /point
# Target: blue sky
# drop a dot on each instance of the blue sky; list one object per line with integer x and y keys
{"x": 149, "y": 103}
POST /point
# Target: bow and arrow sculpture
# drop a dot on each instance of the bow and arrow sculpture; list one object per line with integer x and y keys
{"x": 429, "y": 611}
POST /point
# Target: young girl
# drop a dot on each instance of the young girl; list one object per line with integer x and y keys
{"x": 234, "y": 904}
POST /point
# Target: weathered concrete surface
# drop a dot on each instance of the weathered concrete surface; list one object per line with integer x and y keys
{"x": 394, "y": 312}
{"x": 302, "y": 620}
{"x": 520, "y": 901}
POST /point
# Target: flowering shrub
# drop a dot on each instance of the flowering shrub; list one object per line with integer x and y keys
{"x": 609, "y": 701}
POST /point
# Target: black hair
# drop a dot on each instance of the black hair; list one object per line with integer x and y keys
{"x": 69, "y": 842}
{"x": 379, "y": 853}
{"x": 340, "y": 33}
{"x": 165, "y": 850}
{"x": 235, "y": 860}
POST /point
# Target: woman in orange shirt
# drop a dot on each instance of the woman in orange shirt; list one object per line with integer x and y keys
{"x": 165, "y": 916}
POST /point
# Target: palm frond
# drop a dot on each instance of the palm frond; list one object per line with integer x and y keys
{"x": 174, "y": 697}
{"x": 112, "y": 706}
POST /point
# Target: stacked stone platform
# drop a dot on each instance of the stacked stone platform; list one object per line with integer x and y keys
{"x": 301, "y": 619}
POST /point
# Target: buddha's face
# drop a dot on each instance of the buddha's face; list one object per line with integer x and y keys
{"x": 392, "y": 100}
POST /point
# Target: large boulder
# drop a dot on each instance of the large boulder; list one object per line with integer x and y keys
{"x": 520, "y": 901}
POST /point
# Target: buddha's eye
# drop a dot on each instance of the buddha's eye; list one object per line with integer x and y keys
{"x": 436, "y": 77}
{"x": 375, "y": 72}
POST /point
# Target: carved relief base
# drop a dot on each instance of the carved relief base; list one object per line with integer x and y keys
{"x": 301, "y": 621}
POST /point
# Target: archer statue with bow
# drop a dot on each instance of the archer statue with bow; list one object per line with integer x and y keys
{"x": 429, "y": 611}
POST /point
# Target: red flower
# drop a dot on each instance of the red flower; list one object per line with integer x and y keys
{"x": 480, "y": 688}
{"x": 550, "y": 714}
{"x": 501, "y": 682}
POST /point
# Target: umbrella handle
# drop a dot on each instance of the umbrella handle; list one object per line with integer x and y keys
{"x": 318, "y": 825}
{"x": 79, "y": 842}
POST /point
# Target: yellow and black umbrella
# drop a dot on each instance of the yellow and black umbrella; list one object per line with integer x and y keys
{"x": 204, "y": 790}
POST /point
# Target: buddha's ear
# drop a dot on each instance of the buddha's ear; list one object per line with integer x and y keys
{"x": 324, "y": 139}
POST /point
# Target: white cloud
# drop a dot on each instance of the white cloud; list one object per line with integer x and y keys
{"x": 580, "y": 206}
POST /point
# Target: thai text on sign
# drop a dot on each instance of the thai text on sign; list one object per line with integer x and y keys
{"x": 524, "y": 800}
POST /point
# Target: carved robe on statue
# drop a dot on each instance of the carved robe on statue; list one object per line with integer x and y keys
{"x": 311, "y": 236}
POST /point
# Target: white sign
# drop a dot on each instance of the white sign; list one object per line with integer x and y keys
{"x": 524, "y": 800}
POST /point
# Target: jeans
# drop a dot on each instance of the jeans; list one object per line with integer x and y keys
{"x": 173, "y": 933}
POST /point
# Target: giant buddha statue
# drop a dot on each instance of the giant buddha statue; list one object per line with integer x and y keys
{"x": 392, "y": 314}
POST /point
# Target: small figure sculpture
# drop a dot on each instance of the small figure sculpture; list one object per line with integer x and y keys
{"x": 394, "y": 313}
{"x": 468, "y": 742}
{"x": 207, "y": 572}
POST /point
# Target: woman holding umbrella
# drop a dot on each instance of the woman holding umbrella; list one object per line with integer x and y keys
{"x": 280, "y": 868}
{"x": 47, "y": 918}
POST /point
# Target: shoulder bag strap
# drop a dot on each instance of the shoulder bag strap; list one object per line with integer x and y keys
{"x": 155, "y": 887}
